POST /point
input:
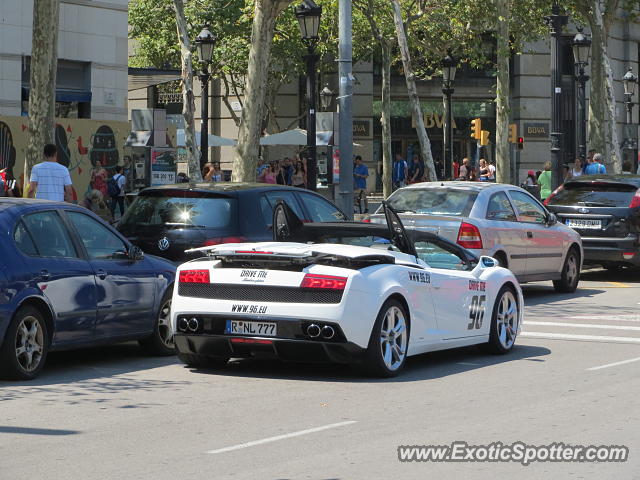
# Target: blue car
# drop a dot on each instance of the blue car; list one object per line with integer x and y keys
{"x": 68, "y": 280}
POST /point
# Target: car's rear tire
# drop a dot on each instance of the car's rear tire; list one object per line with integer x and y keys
{"x": 504, "y": 321}
{"x": 389, "y": 341}
{"x": 202, "y": 361}
{"x": 25, "y": 347}
{"x": 160, "y": 342}
{"x": 568, "y": 282}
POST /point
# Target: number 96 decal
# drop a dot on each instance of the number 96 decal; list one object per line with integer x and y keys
{"x": 476, "y": 311}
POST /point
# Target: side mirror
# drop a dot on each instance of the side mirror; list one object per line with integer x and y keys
{"x": 135, "y": 253}
{"x": 488, "y": 262}
{"x": 552, "y": 219}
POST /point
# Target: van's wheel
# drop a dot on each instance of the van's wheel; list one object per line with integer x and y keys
{"x": 504, "y": 321}
{"x": 568, "y": 282}
{"x": 389, "y": 341}
{"x": 25, "y": 346}
{"x": 202, "y": 361}
{"x": 160, "y": 342}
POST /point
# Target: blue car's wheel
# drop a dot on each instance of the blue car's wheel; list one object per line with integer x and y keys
{"x": 25, "y": 346}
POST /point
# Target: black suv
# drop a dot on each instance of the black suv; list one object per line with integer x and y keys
{"x": 166, "y": 220}
{"x": 605, "y": 211}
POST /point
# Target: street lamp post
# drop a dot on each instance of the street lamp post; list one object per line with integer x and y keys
{"x": 556, "y": 22}
{"x": 308, "y": 15}
{"x": 581, "y": 48}
{"x": 630, "y": 142}
{"x": 449, "y": 65}
{"x": 204, "y": 44}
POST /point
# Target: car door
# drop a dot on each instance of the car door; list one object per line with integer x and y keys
{"x": 126, "y": 287}
{"x": 320, "y": 210}
{"x": 508, "y": 234}
{"x": 459, "y": 301}
{"x": 66, "y": 279}
{"x": 544, "y": 244}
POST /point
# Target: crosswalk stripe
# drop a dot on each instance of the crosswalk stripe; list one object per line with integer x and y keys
{"x": 582, "y": 325}
{"x": 592, "y": 338}
{"x": 615, "y": 364}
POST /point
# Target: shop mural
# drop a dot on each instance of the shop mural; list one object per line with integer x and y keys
{"x": 90, "y": 149}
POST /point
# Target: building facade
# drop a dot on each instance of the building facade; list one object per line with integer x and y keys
{"x": 92, "y": 58}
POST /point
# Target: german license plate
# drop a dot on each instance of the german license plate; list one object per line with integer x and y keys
{"x": 582, "y": 223}
{"x": 243, "y": 327}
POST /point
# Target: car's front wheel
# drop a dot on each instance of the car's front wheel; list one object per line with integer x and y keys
{"x": 387, "y": 350}
{"x": 568, "y": 282}
{"x": 25, "y": 346}
{"x": 504, "y": 321}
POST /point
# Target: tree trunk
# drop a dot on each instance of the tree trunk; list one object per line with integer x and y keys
{"x": 503, "y": 156}
{"x": 385, "y": 119}
{"x": 245, "y": 159}
{"x": 603, "y": 128}
{"x": 42, "y": 83}
{"x": 414, "y": 100}
{"x": 188, "y": 98}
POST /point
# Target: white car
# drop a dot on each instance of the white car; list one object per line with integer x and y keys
{"x": 378, "y": 295}
{"x": 499, "y": 220}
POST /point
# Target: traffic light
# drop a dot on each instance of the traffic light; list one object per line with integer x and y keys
{"x": 476, "y": 128}
{"x": 484, "y": 138}
{"x": 520, "y": 143}
{"x": 513, "y": 133}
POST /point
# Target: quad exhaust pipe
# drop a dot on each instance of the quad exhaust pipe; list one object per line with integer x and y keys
{"x": 193, "y": 324}
{"x": 328, "y": 332}
{"x": 315, "y": 331}
{"x": 183, "y": 325}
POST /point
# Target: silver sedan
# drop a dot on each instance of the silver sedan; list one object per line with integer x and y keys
{"x": 499, "y": 220}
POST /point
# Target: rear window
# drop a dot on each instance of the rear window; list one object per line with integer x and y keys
{"x": 433, "y": 201}
{"x": 594, "y": 195}
{"x": 151, "y": 210}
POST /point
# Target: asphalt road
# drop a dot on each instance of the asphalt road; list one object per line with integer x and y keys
{"x": 114, "y": 414}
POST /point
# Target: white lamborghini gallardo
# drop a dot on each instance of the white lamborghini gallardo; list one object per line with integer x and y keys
{"x": 343, "y": 292}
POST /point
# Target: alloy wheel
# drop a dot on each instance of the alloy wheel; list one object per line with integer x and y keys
{"x": 164, "y": 325}
{"x": 393, "y": 338}
{"x": 29, "y": 343}
{"x": 507, "y": 320}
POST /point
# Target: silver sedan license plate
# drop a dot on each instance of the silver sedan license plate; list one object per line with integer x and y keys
{"x": 243, "y": 327}
{"x": 584, "y": 223}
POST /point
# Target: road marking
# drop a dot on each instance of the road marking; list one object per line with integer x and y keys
{"x": 615, "y": 364}
{"x": 619, "y": 285}
{"x": 591, "y": 338}
{"x": 582, "y": 325}
{"x": 616, "y": 318}
{"x": 469, "y": 363}
{"x": 282, "y": 437}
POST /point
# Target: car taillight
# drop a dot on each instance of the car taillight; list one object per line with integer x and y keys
{"x": 194, "y": 276}
{"x": 366, "y": 220}
{"x": 635, "y": 201}
{"x": 323, "y": 281}
{"x": 219, "y": 240}
{"x": 553, "y": 194}
{"x": 469, "y": 236}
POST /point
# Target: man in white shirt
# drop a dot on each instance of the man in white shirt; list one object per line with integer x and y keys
{"x": 49, "y": 179}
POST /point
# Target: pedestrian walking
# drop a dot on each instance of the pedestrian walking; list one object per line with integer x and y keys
{"x": 360, "y": 174}
{"x": 50, "y": 180}
{"x": 116, "y": 191}
{"x": 400, "y": 172}
{"x": 544, "y": 180}
{"x": 464, "y": 170}
{"x": 492, "y": 171}
{"x": 299, "y": 177}
{"x": 595, "y": 166}
{"x": 484, "y": 170}
{"x": 416, "y": 170}
{"x": 577, "y": 169}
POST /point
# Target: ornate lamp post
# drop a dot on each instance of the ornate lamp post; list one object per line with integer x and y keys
{"x": 556, "y": 22}
{"x": 581, "y": 48}
{"x": 308, "y": 15}
{"x": 326, "y": 97}
{"x": 630, "y": 142}
{"x": 449, "y": 66}
{"x": 205, "y": 42}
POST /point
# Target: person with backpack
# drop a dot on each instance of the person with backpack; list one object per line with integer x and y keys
{"x": 115, "y": 189}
